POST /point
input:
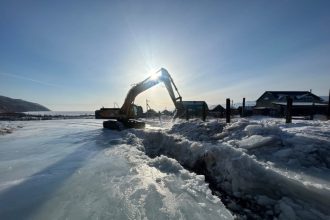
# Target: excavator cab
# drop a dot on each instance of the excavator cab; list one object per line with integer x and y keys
{"x": 118, "y": 121}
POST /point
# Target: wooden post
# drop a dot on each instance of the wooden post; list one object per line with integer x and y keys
{"x": 243, "y": 108}
{"x": 227, "y": 110}
{"x": 288, "y": 109}
{"x": 204, "y": 112}
{"x": 313, "y": 111}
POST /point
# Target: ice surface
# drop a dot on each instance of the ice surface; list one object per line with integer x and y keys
{"x": 65, "y": 113}
{"x": 260, "y": 168}
{"x": 74, "y": 169}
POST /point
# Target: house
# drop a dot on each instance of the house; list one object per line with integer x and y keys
{"x": 273, "y": 103}
{"x": 217, "y": 111}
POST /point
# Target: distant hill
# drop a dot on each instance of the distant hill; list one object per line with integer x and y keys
{"x": 17, "y": 105}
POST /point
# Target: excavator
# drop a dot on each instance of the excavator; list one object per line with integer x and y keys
{"x": 124, "y": 117}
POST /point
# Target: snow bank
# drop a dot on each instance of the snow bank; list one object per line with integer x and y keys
{"x": 197, "y": 129}
{"x": 177, "y": 188}
{"x": 259, "y": 162}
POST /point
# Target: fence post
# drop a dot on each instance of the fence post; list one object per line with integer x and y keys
{"x": 227, "y": 110}
{"x": 288, "y": 113}
{"x": 204, "y": 112}
{"x": 243, "y": 108}
{"x": 313, "y": 111}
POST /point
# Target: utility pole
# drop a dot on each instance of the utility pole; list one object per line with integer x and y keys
{"x": 147, "y": 105}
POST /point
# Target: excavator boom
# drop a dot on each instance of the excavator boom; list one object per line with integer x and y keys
{"x": 160, "y": 76}
{"x": 125, "y": 114}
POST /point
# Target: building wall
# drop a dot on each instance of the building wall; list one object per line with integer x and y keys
{"x": 265, "y": 100}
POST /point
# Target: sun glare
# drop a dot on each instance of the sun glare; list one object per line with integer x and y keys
{"x": 156, "y": 75}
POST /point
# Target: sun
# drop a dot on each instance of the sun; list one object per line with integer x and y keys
{"x": 156, "y": 75}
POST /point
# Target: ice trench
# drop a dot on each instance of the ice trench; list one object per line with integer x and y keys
{"x": 248, "y": 188}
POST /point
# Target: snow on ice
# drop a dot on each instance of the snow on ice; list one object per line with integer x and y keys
{"x": 74, "y": 169}
{"x": 254, "y": 168}
{"x": 7, "y": 127}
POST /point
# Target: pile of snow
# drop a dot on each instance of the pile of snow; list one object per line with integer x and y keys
{"x": 197, "y": 130}
{"x": 177, "y": 188}
{"x": 7, "y": 127}
{"x": 279, "y": 170}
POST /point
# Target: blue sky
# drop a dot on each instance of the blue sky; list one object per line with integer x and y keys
{"x": 82, "y": 55}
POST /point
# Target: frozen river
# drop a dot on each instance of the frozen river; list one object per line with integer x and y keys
{"x": 74, "y": 169}
{"x": 260, "y": 168}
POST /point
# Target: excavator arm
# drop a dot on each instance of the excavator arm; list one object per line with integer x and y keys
{"x": 160, "y": 76}
{"x": 121, "y": 118}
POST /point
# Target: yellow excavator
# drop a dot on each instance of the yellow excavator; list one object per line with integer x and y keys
{"x": 124, "y": 117}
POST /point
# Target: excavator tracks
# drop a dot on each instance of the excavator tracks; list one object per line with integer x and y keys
{"x": 119, "y": 125}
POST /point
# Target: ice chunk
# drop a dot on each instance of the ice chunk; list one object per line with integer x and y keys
{"x": 255, "y": 141}
{"x": 253, "y": 129}
{"x": 286, "y": 212}
{"x": 165, "y": 164}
